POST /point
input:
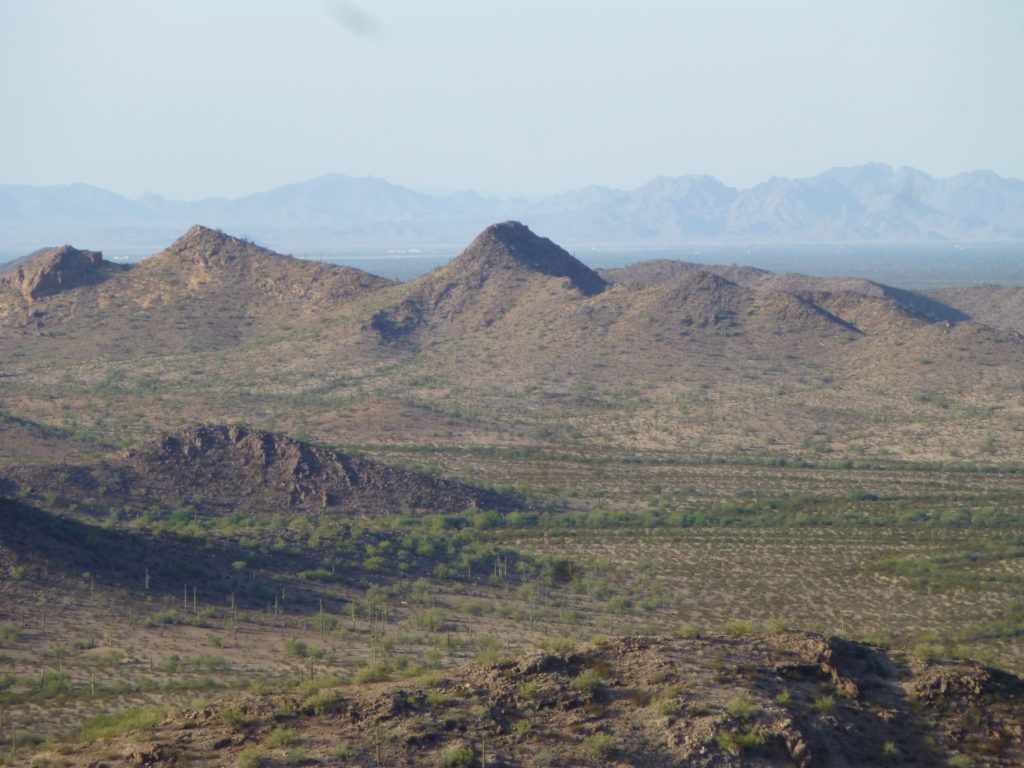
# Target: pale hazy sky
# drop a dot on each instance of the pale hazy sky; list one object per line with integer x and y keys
{"x": 195, "y": 98}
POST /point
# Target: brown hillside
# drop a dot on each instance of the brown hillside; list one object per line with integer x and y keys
{"x": 1001, "y": 306}
{"x": 715, "y": 702}
{"x": 217, "y": 468}
{"x": 207, "y": 290}
{"x": 646, "y": 273}
{"x": 699, "y": 299}
{"x": 911, "y": 302}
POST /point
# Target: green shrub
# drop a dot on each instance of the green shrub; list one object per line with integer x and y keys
{"x": 587, "y": 680}
{"x": 688, "y": 632}
{"x": 107, "y": 725}
{"x": 54, "y": 684}
{"x": 171, "y": 664}
{"x": 10, "y": 632}
{"x": 739, "y": 627}
{"x": 432, "y": 679}
{"x": 741, "y": 708}
{"x": 600, "y": 744}
{"x": 208, "y": 663}
{"x": 378, "y": 673}
{"x": 281, "y": 736}
{"x": 431, "y": 620}
{"x": 737, "y": 741}
{"x": 527, "y": 690}
{"x": 250, "y": 757}
{"x": 232, "y": 717}
{"x": 325, "y": 622}
{"x": 111, "y": 658}
{"x": 825, "y": 703}
{"x": 523, "y": 727}
{"x": 322, "y": 702}
{"x": 929, "y": 651}
{"x": 295, "y": 647}
{"x": 460, "y": 756}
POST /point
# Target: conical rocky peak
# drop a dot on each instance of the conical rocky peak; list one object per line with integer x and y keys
{"x": 512, "y": 244}
{"x": 204, "y": 245}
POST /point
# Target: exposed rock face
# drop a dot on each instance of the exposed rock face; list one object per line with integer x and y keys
{"x": 56, "y": 270}
{"x": 223, "y": 468}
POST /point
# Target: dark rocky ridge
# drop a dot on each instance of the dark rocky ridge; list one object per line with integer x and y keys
{"x": 220, "y": 469}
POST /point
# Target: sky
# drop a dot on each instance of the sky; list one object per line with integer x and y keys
{"x": 199, "y": 98}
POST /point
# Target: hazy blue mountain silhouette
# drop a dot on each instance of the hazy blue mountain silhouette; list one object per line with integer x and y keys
{"x": 872, "y": 202}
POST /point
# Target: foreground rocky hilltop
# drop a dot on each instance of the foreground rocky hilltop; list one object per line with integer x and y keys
{"x": 742, "y": 700}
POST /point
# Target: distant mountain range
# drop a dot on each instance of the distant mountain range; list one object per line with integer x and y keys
{"x": 872, "y": 202}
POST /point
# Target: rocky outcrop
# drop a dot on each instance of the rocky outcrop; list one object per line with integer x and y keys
{"x": 56, "y": 270}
